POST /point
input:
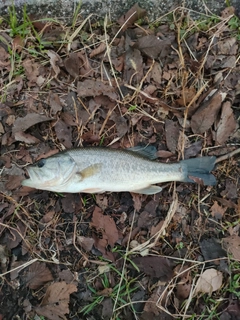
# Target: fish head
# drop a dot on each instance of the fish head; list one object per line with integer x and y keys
{"x": 51, "y": 173}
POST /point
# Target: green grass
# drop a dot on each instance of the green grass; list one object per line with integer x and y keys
{"x": 120, "y": 293}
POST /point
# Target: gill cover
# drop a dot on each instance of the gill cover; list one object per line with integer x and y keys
{"x": 50, "y": 172}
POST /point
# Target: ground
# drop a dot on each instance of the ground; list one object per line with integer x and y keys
{"x": 174, "y": 84}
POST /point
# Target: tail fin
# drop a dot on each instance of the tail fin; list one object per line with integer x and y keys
{"x": 199, "y": 170}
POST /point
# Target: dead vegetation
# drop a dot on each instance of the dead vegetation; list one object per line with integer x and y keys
{"x": 173, "y": 83}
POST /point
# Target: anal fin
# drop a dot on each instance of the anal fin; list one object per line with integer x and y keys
{"x": 148, "y": 190}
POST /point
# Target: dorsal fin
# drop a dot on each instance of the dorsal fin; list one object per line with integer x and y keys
{"x": 149, "y": 152}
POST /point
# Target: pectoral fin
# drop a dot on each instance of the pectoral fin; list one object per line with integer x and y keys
{"x": 90, "y": 171}
{"x": 148, "y": 190}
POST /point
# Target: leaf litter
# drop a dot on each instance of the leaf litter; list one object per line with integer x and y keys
{"x": 173, "y": 84}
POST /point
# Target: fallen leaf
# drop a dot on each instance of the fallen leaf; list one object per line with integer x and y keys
{"x": 31, "y": 71}
{"x": 217, "y": 211}
{"x": 131, "y": 16}
{"x": 107, "y": 308}
{"x": 227, "y": 46}
{"x": 72, "y": 64}
{"x": 121, "y": 124}
{"x": 211, "y": 249}
{"x": 25, "y": 137}
{"x": 85, "y": 243}
{"x": 192, "y": 150}
{"x": 14, "y": 181}
{"x": 229, "y": 11}
{"x": 106, "y": 230}
{"x": 184, "y": 284}
{"x": 156, "y": 73}
{"x": 101, "y": 48}
{"x": 4, "y": 258}
{"x": 137, "y": 201}
{"x": 232, "y": 245}
{"x": 133, "y": 63}
{"x": 64, "y": 133}
{"x": 18, "y": 44}
{"x": 151, "y": 307}
{"x": 152, "y": 46}
{"x": 55, "y": 103}
{"x": 55, "y": 302}
{"x": 186, "y": 96}
{"x": 226, "y": 125}
{"x": 90, "y": 87}
{"x": 231, "y": 190}
{"x": 155, "y": 267}
{"x": 85, "y": 67}
{"x": 172, "y": 135}
{"x": 67, "y": 276}
{"x": 38, "y": 274}
{"x": 206, "y": 114}
{"x": 209, "y": 281}
{"x": 31, "y": 119}
{"x": 55, "y": 61}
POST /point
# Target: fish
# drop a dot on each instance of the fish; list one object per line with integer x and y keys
{"x": 104, "y": 169}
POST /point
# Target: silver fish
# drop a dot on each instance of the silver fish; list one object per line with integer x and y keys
{"x": 97, "y": 169}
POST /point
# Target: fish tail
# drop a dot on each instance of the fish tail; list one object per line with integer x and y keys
{"x": 198, "y": 170}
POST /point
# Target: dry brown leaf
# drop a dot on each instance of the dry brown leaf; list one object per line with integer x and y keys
{"x": 157, "y": 228}
{"x": 184, "y": 284}
{"x": 22, "y": 124}
{"x": 186, "y": 96}
{"x": 25, "y": 137}
{"x": 72, "y": 64}
{"x": 121, "y": 124}
{"x": 217, "y": 211}
{"x": 232, "y": 245}
{"x": 101, "y": 48}
{"x": 227, "y": 46}
{"x": 192, "y": 150}
{"x": 227, "y": 12}
{"x": 31, "y": 71}
{"x": 151, "y": 306}
{"x": 156, "y": 73}
{"x": 85, "y": 67}
{"x": 231, "y": 190}
{"x": 102, "y": 201}
{"x": 4, "y": 57}
{"x": 18, "y": 43}
{"x": 133, "y": 63}
{"x": 64, "y": 133}
{"x": 150, "y": 265}
{"x": 14, "y": 181}
{"x": 131, "y": 16}
{"x": 105, "y": 225}
{"x": 172, "y": 134}
{"x": 4, "y": 258}
{"x": 55, "y": 61}
{"x": 55, "y": 302}
{"x": 137, "y": 201}
{"x": 226, "y": 125}
{"x": 152, "y": 46}
{"x": 85, "y": 243}
{"x": 209, "y": 281}
{"x": 38, "y": 274}
{"x": 206, "y": 114}
{"x": 55, "y": 103}
{"x": 67, "y": 276}
{"x": 90, "y": 87}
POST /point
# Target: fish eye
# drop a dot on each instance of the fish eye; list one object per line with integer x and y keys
{"x": 41, "y": 163}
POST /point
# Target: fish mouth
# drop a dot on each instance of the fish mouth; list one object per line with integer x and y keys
{"x": 32, "y": 178}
